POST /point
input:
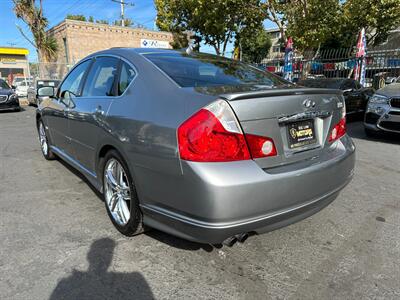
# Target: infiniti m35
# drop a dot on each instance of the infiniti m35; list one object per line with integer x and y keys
{"x": 199, "y": 146}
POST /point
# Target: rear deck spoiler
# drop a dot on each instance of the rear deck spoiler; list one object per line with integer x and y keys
{"x": 279, "y": 92}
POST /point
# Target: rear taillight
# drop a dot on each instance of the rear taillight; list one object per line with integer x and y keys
{"x": 338, "y": 130}
{"x": 213, "y": 134}
{"x": 260, "y": 146}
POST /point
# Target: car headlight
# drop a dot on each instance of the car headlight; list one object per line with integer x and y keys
{"x": 12, "y": 97}
{"x": 378, "y": 99}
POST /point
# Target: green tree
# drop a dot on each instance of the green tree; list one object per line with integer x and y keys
{"x": 127, "y": 22}
{"x": 91, "y": 19}
{"x": 76, "y": 17}
{"x": 216, "y": 21}
{"x": 311, "y": 22}
{"x": 102, "y": 22}
{"x": 32, "y": 15}
{"x": 378, "y": 17}
{"x": 333, "y": 23}
{"x": 255, "y": 46}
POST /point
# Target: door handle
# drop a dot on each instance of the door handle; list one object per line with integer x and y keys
{"x": 99, "y": 111}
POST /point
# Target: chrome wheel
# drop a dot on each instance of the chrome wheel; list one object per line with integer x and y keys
{"x": 43, "y": 139}
{"x": 117, "y": 192}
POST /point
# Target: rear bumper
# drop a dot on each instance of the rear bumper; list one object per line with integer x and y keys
{"x": 222, "y": 200}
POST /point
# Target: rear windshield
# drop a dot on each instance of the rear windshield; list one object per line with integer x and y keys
{"x": 322, "y": 83}
{"x": 200, "y": 70}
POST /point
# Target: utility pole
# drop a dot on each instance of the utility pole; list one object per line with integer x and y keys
{"x": 123, "y": 9}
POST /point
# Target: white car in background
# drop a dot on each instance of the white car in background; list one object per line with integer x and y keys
{"x": 21, "y": 88}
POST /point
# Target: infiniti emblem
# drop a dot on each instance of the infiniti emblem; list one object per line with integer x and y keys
{"x": 308, "y": 103}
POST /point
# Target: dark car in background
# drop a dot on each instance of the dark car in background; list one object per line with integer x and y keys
{"x": 33, "y": 98}
{"x": 383, "y": 110}
{"x": 355, "y": 95}
{"x": 8, "y": 98}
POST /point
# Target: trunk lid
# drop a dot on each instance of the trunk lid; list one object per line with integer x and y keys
{"x": 299, "y": 120}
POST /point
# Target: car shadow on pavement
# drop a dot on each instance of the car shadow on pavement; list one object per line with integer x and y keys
{"x": 99, "y": 283}
{"x": 82, "y": 177}
{"x": 21, "y": 109}
{"x": 179, "y": 243}
{"x": 356, "y": 130}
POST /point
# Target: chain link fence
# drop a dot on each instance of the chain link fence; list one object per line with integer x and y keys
{"x": 49, "y": 70}
{"x": 382, "y": 67}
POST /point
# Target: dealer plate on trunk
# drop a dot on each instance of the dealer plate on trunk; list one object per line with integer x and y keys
{"x": 301, "y": 134}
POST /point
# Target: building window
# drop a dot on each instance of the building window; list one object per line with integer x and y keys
{"x": 276, "y": 49}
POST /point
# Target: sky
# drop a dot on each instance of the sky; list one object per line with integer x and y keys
{"x": 143, "y": 12}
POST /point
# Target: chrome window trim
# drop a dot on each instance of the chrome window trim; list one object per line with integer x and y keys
{"x": 129, "y": 85}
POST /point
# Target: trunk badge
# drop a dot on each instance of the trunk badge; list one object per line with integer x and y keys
{"x": 308, "y": 103}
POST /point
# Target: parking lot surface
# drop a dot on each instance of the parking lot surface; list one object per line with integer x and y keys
{"x": 56, "y": 238}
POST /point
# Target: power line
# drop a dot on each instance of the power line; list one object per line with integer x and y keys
{"x": 123, "y": 9}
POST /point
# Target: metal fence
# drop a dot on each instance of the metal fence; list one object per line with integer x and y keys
{"x": 49, "y": 70}
{"x": 381, "y": 66}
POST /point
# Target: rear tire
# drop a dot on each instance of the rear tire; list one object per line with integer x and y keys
{"x": 44, "y": 142}
{"x": 120, "y": 197}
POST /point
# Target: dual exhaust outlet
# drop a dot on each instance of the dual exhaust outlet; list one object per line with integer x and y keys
{"x": 241, "y": 238}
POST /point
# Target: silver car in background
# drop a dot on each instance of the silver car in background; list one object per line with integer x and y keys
{"x": 201, "y": 147}
{"x": 383, "y": 110}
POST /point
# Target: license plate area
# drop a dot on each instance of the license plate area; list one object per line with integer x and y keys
{"x": 301, "y": 134}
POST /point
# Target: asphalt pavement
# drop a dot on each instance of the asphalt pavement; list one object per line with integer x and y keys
{"x": 56, "y": 238}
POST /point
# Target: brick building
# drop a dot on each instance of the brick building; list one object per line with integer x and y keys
{"x": 77, "y": 39}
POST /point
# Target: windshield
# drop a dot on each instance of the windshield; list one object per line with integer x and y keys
{"x": 200, "y": 70}
{"x": 4, "y": 85}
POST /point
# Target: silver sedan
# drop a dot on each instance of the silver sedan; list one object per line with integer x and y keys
{"x": 202, "y": 147}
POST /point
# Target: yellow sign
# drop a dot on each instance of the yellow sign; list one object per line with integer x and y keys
{"x": 6, "y": 60}
{"x": 14, "y": 51}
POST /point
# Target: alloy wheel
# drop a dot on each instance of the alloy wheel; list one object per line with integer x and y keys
{"x": 117, "y": 192}
{"x": 43, "y": 139}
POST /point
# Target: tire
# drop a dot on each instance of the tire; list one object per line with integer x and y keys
{"x": 121, "y": 195}
{"x": 44, "y": 141}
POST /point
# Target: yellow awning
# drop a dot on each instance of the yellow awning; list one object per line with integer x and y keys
{"x": 14, "y": 51}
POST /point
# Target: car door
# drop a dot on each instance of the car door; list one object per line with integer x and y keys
{"x": 56, "y": 112}
{"x": 88, "y": 116}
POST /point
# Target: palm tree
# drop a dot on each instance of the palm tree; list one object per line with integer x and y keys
{"x": 32, "y": 15}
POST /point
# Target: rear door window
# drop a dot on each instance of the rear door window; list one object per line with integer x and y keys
{"x": 101, "y": 78}
{"x": 126, "y": 76}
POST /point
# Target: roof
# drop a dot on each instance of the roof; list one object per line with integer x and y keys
{"x": 14, "y": 51}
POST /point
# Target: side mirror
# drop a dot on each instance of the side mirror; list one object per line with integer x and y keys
{"x": 46, "y": 91}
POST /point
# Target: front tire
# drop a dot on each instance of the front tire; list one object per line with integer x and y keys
{"x": 120, "y": 195}
{"x": 44, "y": 142}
